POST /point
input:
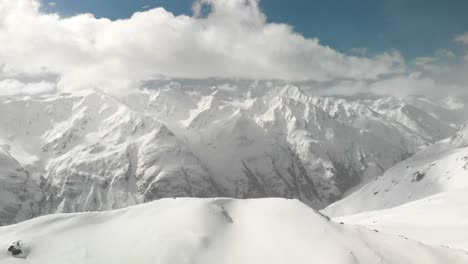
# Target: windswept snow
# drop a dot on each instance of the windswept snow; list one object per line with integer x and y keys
{"x": 205, "y": 231}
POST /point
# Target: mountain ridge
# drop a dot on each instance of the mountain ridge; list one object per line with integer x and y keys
{"x": 97, "y": 152}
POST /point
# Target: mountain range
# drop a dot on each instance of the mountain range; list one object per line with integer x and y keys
{"x": 95, "y": 151}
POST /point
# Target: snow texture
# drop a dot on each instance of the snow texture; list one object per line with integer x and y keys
{"x": 188, "y": 230}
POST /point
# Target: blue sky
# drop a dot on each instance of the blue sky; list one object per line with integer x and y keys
{"x": 415, "y": 28}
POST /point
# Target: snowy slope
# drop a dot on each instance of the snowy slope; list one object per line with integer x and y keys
{"x": 423, "y": 198}
{"x": 438, "y": 219}
{"x": 208, "y": 231}
{"x": 441, "y": 167}
{"x": 95, "y": 151}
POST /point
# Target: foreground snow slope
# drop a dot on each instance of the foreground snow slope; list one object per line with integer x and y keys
{"x": 424, "y": 198}
{"x": 440, "y": 219}
{"x": 205, "y": 231}
{"x": 442, "y": 167}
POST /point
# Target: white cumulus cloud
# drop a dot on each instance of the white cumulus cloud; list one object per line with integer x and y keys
{"x": 463, "y": 38}
{"x": 233, "y": 41}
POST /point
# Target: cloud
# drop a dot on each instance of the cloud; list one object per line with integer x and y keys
{"x": 52, "y": 4}
{"x": 400, "y": 86}
{"x": 424, "y": 61}
{"x": 233, "y": 41}
{"x": 12, "y": 87}
{"x": 463, "y": 38}
{"x": 444, "y": 53}
{"x": 431, "y": 63}
{"x": 440, "y": 66}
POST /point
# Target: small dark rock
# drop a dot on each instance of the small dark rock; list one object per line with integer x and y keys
{"x": 418, "y": 176}
{"x": 15, "y": 249}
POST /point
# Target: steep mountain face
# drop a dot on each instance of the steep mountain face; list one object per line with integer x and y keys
{"x": 368, "y": 121}
{"x": 418, "y": 120}
{"x": 278, "y": 143}
{"x": 208, "y": 231}
{"x": 442, "y": 167}
{"x": 19, "y": 195}
{"x": 98, "y": 152}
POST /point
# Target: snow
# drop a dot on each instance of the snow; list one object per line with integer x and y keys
{"x": 438, "y": 220}
{"x": 17, "y": 191}
{"x": 96, "y": 152}
{"x": 177, "y": 231}
{"x": 422, "y": 198}
{"x": 442, "y": 167}
{"x": 93, "y": 151}
{"x": 413, "y": 118}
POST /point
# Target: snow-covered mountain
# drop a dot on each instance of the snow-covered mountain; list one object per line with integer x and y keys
{"x": 19, "y": 194}
{"x": 423, "y": 198}
{"x": 177, "y": 231}
{"x": 95, "y": 151}
{"x": 441, "y": 167}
